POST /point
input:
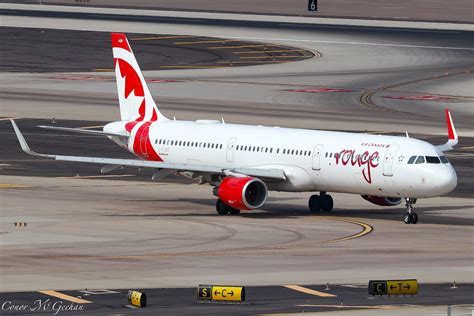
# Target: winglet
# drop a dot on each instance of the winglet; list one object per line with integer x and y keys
{"x": 452, "y": 135}
{"x": 23, "y": 143}
{"x": 451, "y": 130}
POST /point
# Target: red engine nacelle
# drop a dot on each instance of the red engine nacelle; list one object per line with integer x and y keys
{"x": 382, "y": 200}
{"x": 242, "y": 193}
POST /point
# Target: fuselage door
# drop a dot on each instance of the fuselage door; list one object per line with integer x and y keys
{"x": 230, "y": 149}
{"x": 388, "y": 160}
{"x": 316, "y": 164}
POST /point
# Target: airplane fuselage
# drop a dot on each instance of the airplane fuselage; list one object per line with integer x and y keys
{"x": 312, "y": 160}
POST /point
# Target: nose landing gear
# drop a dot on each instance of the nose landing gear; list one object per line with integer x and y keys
{"x": 410, "y": 217}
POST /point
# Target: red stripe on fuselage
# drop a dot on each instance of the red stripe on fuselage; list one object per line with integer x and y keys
{"x": 142, "y": 146}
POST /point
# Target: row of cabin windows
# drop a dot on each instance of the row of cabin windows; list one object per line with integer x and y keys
{"x": 428, "y": 159}
{"x": 184, "y": 143}
{"x": 285, "y": 151}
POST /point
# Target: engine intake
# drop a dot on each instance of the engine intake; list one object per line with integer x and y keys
{"x": 245, "y": 193}
{"x": 382, "y": 200}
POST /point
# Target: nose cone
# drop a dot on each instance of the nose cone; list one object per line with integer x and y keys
{"x": 447, "y": 180}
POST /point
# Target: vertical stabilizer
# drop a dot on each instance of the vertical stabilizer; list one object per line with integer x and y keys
{"x": 136, "y": 102}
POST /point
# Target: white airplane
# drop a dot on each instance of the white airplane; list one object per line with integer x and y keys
{"x": 244, "y": 162}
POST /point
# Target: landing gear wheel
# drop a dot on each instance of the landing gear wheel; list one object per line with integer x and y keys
{"x": 407, "y": 218}
{"x": 414, "y": 218}
{"x": 315, "y": 203}
{"x": 221, "y": 208}
{"x": 233, "y": 211}
{"x": 328, "y": 203}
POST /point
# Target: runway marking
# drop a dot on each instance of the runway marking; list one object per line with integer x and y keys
{"x": 13, "y": 186}
{"x": 297, "y": 56}
{"x": 250, "y": 61}
{"x": 273, "y": 51}
{"x": 66, "y": 297}
{"x": 243, "y": 46}
{"x": 467, "y": 148}
{"x": 383, "y": 307}
{"x": 8, "y": 118}
{"x": 98, "y": 177}
{"x": 151, "y": 38}
{"x": 103, "y": 69}
{"x": 206, "y": 42}
{"x": 344, "y": 43}
{"x": 366, "y": 229}
{"x": 190, "y": 67}
{"x": 90, "y": 127}
{"x": 309, "y": 291}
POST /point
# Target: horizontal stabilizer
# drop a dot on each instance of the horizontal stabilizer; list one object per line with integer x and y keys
{"x": 82, "y": 131}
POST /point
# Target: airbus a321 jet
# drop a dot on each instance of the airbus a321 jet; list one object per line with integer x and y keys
{"x": 244, "y": 162}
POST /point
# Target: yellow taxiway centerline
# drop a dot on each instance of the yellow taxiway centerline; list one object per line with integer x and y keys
{"x": 66, "y": 297}
{"x": 13, "y": 186}
{"x": 272, "y": 51}
{"x": 308, "y": 291}
{"x": 242, "y": 46}
{"x": 206, "y": 42}
{"x": 151, "y": 38}
{"x": 258, "y": 57}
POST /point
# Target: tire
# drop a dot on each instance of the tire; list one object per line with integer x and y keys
{"x": 221, "y": 208}
{"x": 407, "y": 218}
{"x": 315, "y": 203}
{"x": 414, "y": 218}
{"x": 233, "y": 211}
{"x": 328, "y": 203}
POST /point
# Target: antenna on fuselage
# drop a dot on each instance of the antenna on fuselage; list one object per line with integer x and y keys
{"x": 222, "y": 118}
{"x": 406, "y": 133}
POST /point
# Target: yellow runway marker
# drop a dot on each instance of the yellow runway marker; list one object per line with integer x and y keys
{"x": 258, "y": 57}
{"x": 13, "y": 186}
{"x": 242, "y": 46}
{"x": 103, "y": 69}
{"x": 8, "y": 118}
{"x": 90, "y": 127}
{"x": 191, "y": 67}
{"x": 98, "y": 177}
{"x": 151, "y": 38}
{"x": 383, "y": 307}
{"x": 66, "y": 297}
{"x": 467, "y": 148}
{"x": 206, "y": 42}
{"x": 250, "y": 62}
{"x": 366, "y": 229}
{"x": 272, "y": 51}
{"x": 308, "y": 291}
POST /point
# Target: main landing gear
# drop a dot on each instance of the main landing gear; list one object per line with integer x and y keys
{"x": 224, "y": 209}
{"x": 322, "y": 202}
{"x": 410, "y": 216}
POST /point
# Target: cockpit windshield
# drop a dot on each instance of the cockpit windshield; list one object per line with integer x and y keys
{"x": 432, "y": 159}
{"x": 428, "y": 159}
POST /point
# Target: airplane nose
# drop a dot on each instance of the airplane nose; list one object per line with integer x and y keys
{"x": 447, "y": 180}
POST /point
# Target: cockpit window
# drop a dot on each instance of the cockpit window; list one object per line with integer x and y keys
{"x": 420, "y": 159}
{"x": 432, "y": 159}
{"x": 411, "y": 160}
{"x": 444, "y": 159}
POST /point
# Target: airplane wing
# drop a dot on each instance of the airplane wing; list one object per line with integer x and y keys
{"x": 452, "y": 135}
{"x": 82, "y": 131}
{"x": 276, "y": 174}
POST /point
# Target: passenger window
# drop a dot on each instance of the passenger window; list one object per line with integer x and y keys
{"x": 284, "y": 151}
{"x": 432, "y": 159}
{"x": 420, "y": 159}
{"x": 411, "y": 160}
{"x": 278, "y": 150}
{"x": 271, "y": 150}
{"x": 444, "y": 159}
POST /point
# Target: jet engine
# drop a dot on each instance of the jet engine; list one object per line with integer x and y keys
{"x": 245, "y": 193}
{"x": 382, "y": 200}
